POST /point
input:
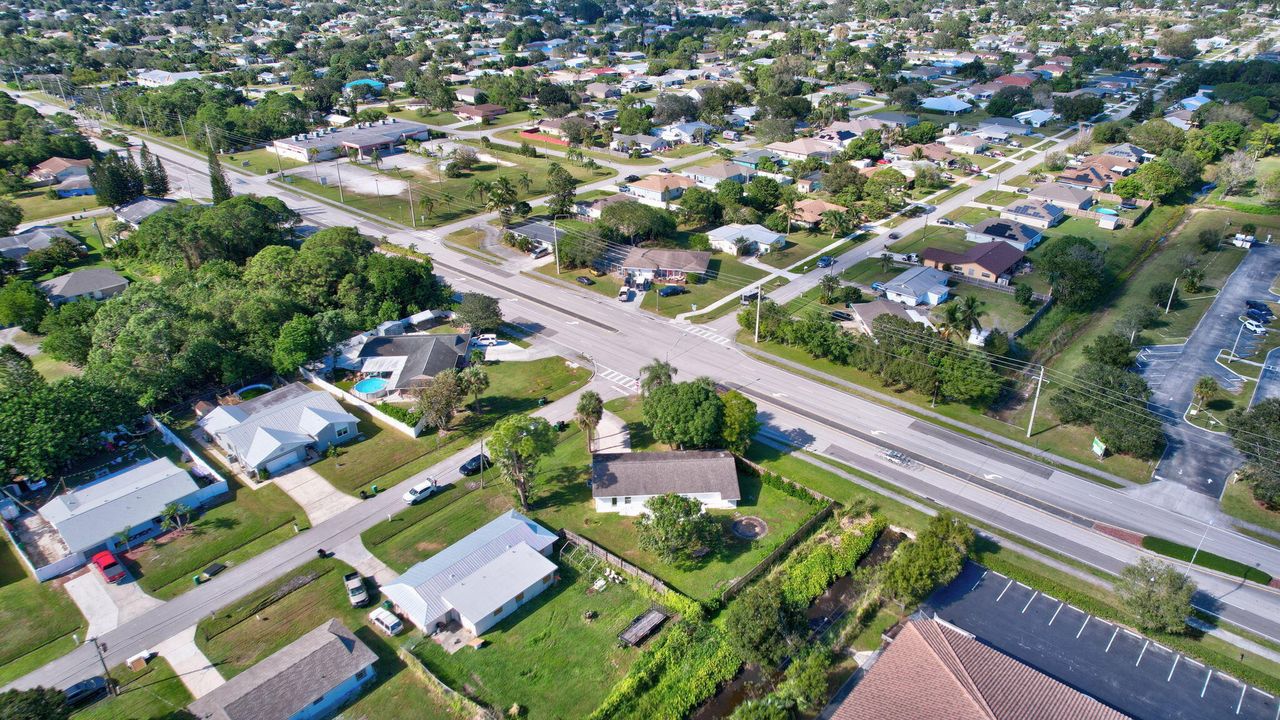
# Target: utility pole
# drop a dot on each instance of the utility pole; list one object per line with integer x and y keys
{"x": 183, "y": 128}
{"x": 1173, "y": 290}
{"x": 61, "y": 93}
{"x": 1036, "y": 402}
{"x": 555, "y": 243}
{"x": 759, "y": 302}
{"x": 208, "y": 136}
{"x": 1236, "y": 344}
{"x": 337, "y": 163}
{"x": 99, "y": 648}
{"x": 413, "y": 218}
{"x": 146, "y": 128}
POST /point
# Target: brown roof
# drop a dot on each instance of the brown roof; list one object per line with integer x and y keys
{"x": 658, "y": 473}
{"x": 933, "y": 670}
{"x": 664, "y": 182}
{"x": 995, "y": 257}
{"x": 695, "y": 261}
{"x": 811, "y": 210}
{"x": 58, "y": 164}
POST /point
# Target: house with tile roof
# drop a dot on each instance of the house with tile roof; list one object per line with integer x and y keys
{"x": 625, "y": 482}
{"x": 478, "y": 580}
{"x": 278, "y": 430}
{"x": 935, "y": 670}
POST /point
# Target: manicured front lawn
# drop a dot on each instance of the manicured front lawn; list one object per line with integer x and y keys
{"x": 39, "y": 619}
{"x": 438, "y": 522}
{"x": 1237, "y": 501}
{"x": 935, "y": 236}
{"x": 998, "y": 197}
{"x": 971, "y": 215}
{"x": 600, "y": 153}
{"x": 725, "y": 276}
{"x": 431, "y": 118}
{"x": 35, "y": 206}
{"x": 247, "y": 524}
{"x": 548, "y": 657}
{"x": 381, "y": 450}
{"x": 511, "y": 118}
{"x": 800, "y": 245}
{"x": 261, "y": 161}
{"x": 871, "y": 270}
{"x": 152, "y": 693}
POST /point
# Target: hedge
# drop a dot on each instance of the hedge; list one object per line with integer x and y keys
{"x": 405, "y": 415}
{"x": 810, "y": 576}
{"x": 1177, "y": 551}
{"x": 676, "y": 675}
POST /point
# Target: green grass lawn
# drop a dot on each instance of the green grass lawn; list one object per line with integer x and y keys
{"x": 683, "y": 151}
{"x": 431, "y": 118}
{"x": 429, "y": 527}
{"x": 49, "y": 368}
{"x": 1250, "y": 194}
{"x": 732, "y": 307}
{"x": 1186, "y": 553}
{"x": 35, "y": 206}
{"x": 999, "y": 197}
{"x": 935, "y": 236}
{"x": 40, "y": 619}
{"x": 1000, "y": 309}
{"x": 800, "y": 245}
{"x": 599, "y": 153}
{"x": 1238, "y": 502}
{"x": 246, "y": 525}
{"x": 152, "y": 693}
{"x": 388, "y": 456}
{"x": 871, "y": 270}
{"x": 971, "y": 215}
{"x": 547, "y": 657}
{"x": 511, "y": 118}
{"x": 725, "y": 276}
{"x": 260, "y": 162}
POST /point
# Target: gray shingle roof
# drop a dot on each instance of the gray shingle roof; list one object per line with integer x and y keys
{"x": 83, "y": 282}
{"x": 142, "y": 208}
{"x": 658, "y": 473}
{"x": 289, "y": 679}
{"x": 35, "y": 238}
{"x": 425, "y": 355}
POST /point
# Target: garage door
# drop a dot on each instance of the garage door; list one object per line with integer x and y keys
{"x": 285, "y": 461}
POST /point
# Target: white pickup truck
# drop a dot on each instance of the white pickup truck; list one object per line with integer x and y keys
{"x": 357, "y": 593}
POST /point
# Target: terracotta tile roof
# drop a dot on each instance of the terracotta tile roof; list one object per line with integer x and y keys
{"x": 933, "y": 671}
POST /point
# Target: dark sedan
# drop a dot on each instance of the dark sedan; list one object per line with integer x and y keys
{"x": 475, "y": 465}
{"x": 584, "y": 280}
{"x": 85, "y": 692}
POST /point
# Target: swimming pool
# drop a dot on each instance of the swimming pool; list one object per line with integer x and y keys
{"x": 1106, "y": 211}
{"x": 370, "y": 386}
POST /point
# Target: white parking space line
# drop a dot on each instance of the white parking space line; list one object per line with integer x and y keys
{"x": 1005, "y": 590}
{"x": 1206, "y": 682}
{"x": 975, "y": 585}
{"x": 1144, "y": 652}
{"x": 1055, "y": 613}
{"x": 1087, "y": 618}
{"x": 1029, "y": 601}
{"x": 1240, "y": 702}
{"x": 1176, "y": 658}
{"x": 1113, "y": 639}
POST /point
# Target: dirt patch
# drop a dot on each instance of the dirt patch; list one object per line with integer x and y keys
{"x": 749, "y": 528}
{"x": 429, "y": 547}
{"x": 1129, "y": 536}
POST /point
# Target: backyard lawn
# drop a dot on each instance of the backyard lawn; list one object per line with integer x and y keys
{"x": 244, "y": 526}
{"x": 725, "y": 276}
{"x": 429, "y": 527}
{"x": 800, "y": 245}
{"x": 935, "y": 236}
{"x": 35, "y": 206}
{"x": 999, "y": 309}
{"x": 152, "y": 693}
{"x": 39, "y": 618}
{"x": 548, "y": 657}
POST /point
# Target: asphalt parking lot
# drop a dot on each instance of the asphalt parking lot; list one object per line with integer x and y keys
{"x": 1127, "y": 671}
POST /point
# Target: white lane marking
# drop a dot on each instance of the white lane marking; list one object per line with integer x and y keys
{"x": 1005, "y": 590}
{"x": 1113, "y": 639}
{"x": 1055, "y": 613}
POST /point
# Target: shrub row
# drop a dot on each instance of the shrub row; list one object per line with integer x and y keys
{"x": 810, "y": 576}
{"x": 776, "y": 482}
{"x": 408, "y": 416}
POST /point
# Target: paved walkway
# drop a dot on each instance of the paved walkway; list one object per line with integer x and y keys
{"x": 317, "y": 496}
{"x": 612, "y": 435}
{"x": 107, "y": 605}
{"x": 10, "y": 336}
{"x": 190, "y": 664}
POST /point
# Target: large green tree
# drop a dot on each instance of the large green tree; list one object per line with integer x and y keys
{"x": 518, "y": 443}
{"x": 676, "y": 530}
{"x": 740, "y": 423}
{"x": 298, "y": 342}
{"x": 761, "y": 625}
{"x": 934, "y": 558}
{"x": 480, "y": 312}
{"x": 22, "y": 304}
{"x": 40, "y": 703}
{"x": 687, "y": 415}
{"x": 1158, "y": 594}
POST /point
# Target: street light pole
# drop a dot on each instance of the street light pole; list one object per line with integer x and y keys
{"x": 1173, "y": 290}
{"x": 759, "y": 302}
{"x": 555, "y": 241}
{"x": 1035, "y": 402}
{"x": 1236, "y": 344}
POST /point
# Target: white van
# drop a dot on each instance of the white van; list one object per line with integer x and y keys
{"x": 386, "y": 621}
{"x": 420, "y": 492}
{"x": 486, "y": 340}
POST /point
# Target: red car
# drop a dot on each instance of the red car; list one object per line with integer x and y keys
{"x": 107, "y": 565}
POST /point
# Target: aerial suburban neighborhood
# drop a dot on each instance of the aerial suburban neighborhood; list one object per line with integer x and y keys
{"x": 599, "y": 360}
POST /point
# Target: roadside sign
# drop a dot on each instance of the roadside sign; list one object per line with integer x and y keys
{"x": 1099, "y": 447}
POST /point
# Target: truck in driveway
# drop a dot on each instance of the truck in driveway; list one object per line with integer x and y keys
{"x": 357, "y": 593}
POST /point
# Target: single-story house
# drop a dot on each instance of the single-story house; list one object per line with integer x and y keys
{"x": 864, "y": 314}
{"x": 624, "y": 482}
{"x": 895, "y": 119}
{"x": 600, "y": 91}
{"x": 308, "y": 679}
{"x": 133, "y": 213}
{"x": 40, "y": 237}
{"x": 481, "y": 112}
{"x": 276, "y": 430}
{"x": 1097, "y": 172}
{"x": 805, "y": 148}
{"x": 965, "y": 144}
{"x": 645, "y": 143}
{"x": 1024, "y": 80}
{"x": 739, "y": 239}
{"x": 94, "y": 283}
{"x": 932, "y": 664}
{"x": 89, "y": 517}
{"x": 993, "y": 261}
{"x": 753, "y": 158}
{"x": 404, "y": 362}
{"x": 1064, "y": 196}
{"x": 1036, "y": 213}
{"x": 950, "y": 105}
{"x": 593, "y": 209}
{"x": 1128, "y": 151}
{"x": 1022, "y": 237}
{"x": 383, "y": 136}
{"x": 936, "y": 153}
{"x": 918, "y": 286}
{"x": 57, "y": 170}
{"x": 469, "y": 95}
{"x": 661, "y": 188}
{"x": 1035, "y": 118}
{"x": 364, "y": 86}
{"x": 710, "y": 176}
{"x": 664, "y": 264}
{"x": 809, "y": 212}
{"x": 163, "y": 78}
{"x": 687, "y": 132}
{"x": 854, "y": 89}
{"x": 1195, "y": 102}
{"x": 478, "y": 580}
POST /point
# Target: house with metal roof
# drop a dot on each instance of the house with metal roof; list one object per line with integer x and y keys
{"x": 625, "y": 482}
{"x": 92, "y": 283}
{"x": 478, "y": 580}
{"x": 133, "y": 213}
{"x": 277, "y": 430}
{"x": 89, "y": 517}
{"x": 739, "y": 239}
{"x": 918, "y": 286}
{"x": 383, "y": 136}
{"x": 950, "y": 105}
{"x": 308, "y": 679}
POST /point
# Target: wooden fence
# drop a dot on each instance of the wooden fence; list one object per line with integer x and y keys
{"x": 616, "y": 561}
{"x": 801, "y": 533}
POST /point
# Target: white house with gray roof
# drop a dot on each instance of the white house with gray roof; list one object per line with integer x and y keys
{"x": 308, "y": 679}
{"x": 479, "y": 580}
{"x": 739, "y": 239}
{"x": 382, "y": 136}
{"x": 92, "y": 283}
{"x": 918, "y": 286}
{"x": 625, "y": 482}
{"x": 275, "y": 431}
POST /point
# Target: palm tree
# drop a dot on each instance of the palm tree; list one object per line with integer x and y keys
{"x": 427, "y": 203}
{"x": 917, "y": 153}
{"x": 375, "y": 158}
{"x": 474, "y": 382}
{"x": 524, "y": 182}
{"x": 174, "y": 516}
{"x": 886, "y": 262}
{"x": 123, "y": 537}
{"x": 788, "y": 205}
{"x": 588, "y": 414}
{"x": 835, "y": 222}
{"x": 655, "y": 375}
{"x": 1206, "y": 388}
{"x": 479, "y": 190}
{"x": 829, "y": 285}
{"x": 951, "y": 322}
{"x": 970, "y": 313}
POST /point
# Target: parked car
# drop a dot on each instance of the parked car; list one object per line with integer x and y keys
{"x": 1258, "y": 315}
{"x": 1255, "y": 327}
{"x": 841, "y": 316}
{"x": 671, "y": 291}
{"x": 420, "y": 492}
{"x": 584, "y": 280}
{"x": 664, "y": 169}
{"x": 826, "y": 261}
{"x": 357, "y": 593}
{"x": 386, "y": 621}
{"x": 749, "y": 297}
{"x": 541, "y": 252}
{"x": 877, "y": 286}
{"x": 476, "y": 465}
{"x": 631, "y": 178}
{"x": 894, "y": 236}
{"x": 945, "y": 221}
{"x": 624, "y": 294}
{"x": 85, "y": 692}
{"x": 107, "y": 565}
{"x": 486, "y": 340}
{"x": 1259, "y": 306}
{"x": 1024, "y": 190}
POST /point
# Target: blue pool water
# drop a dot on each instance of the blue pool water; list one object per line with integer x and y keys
{"x": 1107, "y": 211}
{"x": 370, "y": 385}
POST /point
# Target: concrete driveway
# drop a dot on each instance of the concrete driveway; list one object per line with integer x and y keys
{"x": 1195, "y": 458}
{"x": 317, "y": 496}
{"x": 190, "y": 664}
{"x": 107, "y": 605}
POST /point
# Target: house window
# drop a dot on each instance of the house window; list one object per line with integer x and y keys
{"x": 519, "y": 597}
{"x": 615, "y": 502}
{"x": 497, "y": 612}
{"x": 546, "y": 580}
{"x": 364, "y": 673}
{"x": 626, "y": 501}
{"x": 342, "y": 431}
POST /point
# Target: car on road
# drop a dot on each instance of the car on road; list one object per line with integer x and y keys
{"x": 671, "y": 291}
{"x": 107, "y": 565}
{"x": 624, "y": 294}
{"x": 664, "y": 170}
{"x": 1023, "y": 190}
{"x": 826, "y": 261}
{"x": 357, "y": 593}
{"x": 475, "y": 465}
{"x": 1255, "y": 327}
{"x": 85, "y": 692}
{"x": 894, "y": 236}
{"x": 897, "y": 458}
{"x": 841, "y": 316}
{"x": 386, "y": 621}
{"x": 1259, "y": 306}
{"x": 631, "y": 178}
{"x": 586, "y": 281}
{"x": 420, "y": 492}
